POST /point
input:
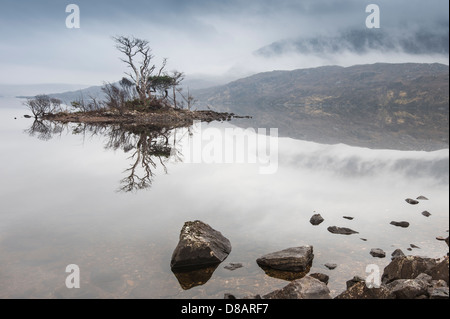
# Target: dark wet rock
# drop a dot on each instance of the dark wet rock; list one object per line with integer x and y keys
{"x": 305, "y": 288}
{"x": 297, "y": 259}
{"x": 190, "y": 278}
{"x": 426, "y": 214}
{"x": 407, "y": 288}
{"x": 331, "y": 266}
{"x": 285, "y": 275}
{"x": 408, "y": 267}
{"x": 322, "y": 277}
{"x": 316, "y": 219}
{"x": 440, "y": 238}
{"x": 361, "y": 291}
{"x": 440, "y": 271}
{"x": 422, "y": 198}
{"x": 400, "y": 224}
{"x": 27, "y": 116}
{"x": 377, "y": 252}
{"x": 397, "y": 253}
{"x": 414, "y": 246}
{"x": 363, "y": 239}
{"x": 233, "y": 266}
{"x": 409, "y": 249}
{"x": 350, "y": 283}
{"x": 341, "y": 230}
{"x": 348, "y": 217}
{"x": 229, "y": 296}
{"x": 199, "y": 246}
{"x": 439, "y": 293}
{"x": 412, "y": 201}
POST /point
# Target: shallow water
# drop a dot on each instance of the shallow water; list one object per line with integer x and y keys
{"x": 61, "y": 204}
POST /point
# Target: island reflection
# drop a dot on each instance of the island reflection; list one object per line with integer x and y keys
{"x": 148, "y": 146}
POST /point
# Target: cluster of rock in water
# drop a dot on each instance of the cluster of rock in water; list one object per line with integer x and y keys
{"x": 406, "y": 277}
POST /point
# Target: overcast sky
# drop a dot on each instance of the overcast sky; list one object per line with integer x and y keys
{"x": 210, "y": 37}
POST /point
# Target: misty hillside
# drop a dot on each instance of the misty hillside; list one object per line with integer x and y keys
{"x": 404, "y": 106}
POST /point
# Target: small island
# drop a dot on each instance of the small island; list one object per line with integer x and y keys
{"x": 147, "y": 96}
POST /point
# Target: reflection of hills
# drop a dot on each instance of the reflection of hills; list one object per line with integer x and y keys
{"x": 147, "y": 146}
{"x": 397, "y": 106}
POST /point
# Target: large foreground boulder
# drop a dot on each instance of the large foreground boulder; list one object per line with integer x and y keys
{"x": 305, "y": 288}
{"x": 199, "y": 246}
{"x": 297, "y": 259}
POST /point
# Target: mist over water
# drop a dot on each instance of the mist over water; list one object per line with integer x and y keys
{"x": 61, "y": 206}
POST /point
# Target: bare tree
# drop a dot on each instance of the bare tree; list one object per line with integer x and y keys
{"x": 42, "y": 105}
{"x": 139, "y": 57}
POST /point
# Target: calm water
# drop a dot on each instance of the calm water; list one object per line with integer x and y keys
{"x": 69, "y": 195}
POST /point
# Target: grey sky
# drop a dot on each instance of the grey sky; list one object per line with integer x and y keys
{"x": 197, "y": 36}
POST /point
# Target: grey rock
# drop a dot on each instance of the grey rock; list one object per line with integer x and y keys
{"x": 412, "y": 201}
{"x": 414, "y": 246}
{"x": 199, "y": 246}
{"x": 400, "y": 224}
{"x": 426, "y": 214}
{"x": 316, "y": 219}
{"x": 397, "y": 253}
{"x": 305, "y": 288}
{"x": 322, "y": 277}
{"x": 422, "y": 198}
{"x": 377, "y": 252}
{"x": 425, "y": 278}
{"x": 407, "y": 267}
{"x": 341, "y": 230}
{"x": 233, "y": 266}
{"x": 331, "y": 266}
{"x": 297, "y": 259}
{"x": 361, "y": 291}
{"x": 441, "y": 271}
{"x": 350, "y": 283}
{"x": 407, "y": 288}
{"x": 439, "y": 293}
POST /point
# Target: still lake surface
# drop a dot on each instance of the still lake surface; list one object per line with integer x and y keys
{"x": 64, "y": 200}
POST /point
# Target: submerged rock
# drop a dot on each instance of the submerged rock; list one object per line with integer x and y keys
{"x": 296, "y": 259}
{"x": 341, "y": 230}
{"x": 316, "y": 219}
{"x": 199, "y": 246}
{"x": 305, "y": 288}
{"x": 400, "y": 224}
{"x": 412, "y": 201}
{"x": 377, "y": 252}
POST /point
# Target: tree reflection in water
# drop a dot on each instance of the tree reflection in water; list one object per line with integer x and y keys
{"x": 148, "y": 146}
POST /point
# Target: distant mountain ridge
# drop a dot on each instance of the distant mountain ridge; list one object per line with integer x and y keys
{"x": 379, "y": 105}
